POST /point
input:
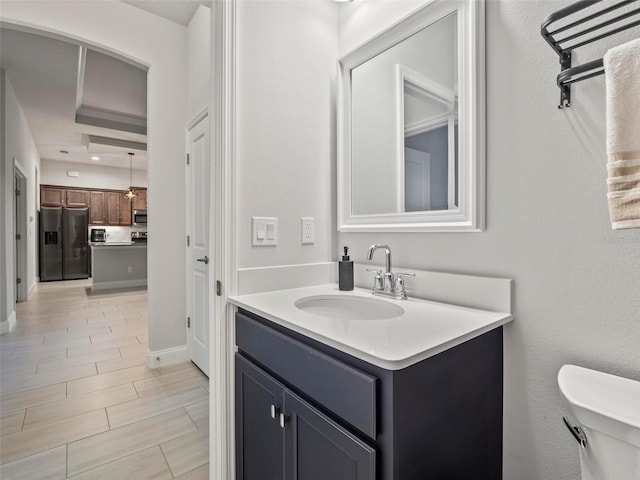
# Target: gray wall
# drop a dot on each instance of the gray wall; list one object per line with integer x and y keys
{"x": 576, "y": 280}
{"x": 54, "y": 172}
{"x": 285, "y": 127}
{"x": 17, "y": 143}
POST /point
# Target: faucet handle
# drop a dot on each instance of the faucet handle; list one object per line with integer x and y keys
{"x": 378, "y": 283}
{"x": 402, "y": 274}
{"x": 398, "y": 288}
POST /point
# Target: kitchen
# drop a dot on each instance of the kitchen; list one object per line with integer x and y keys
{"x": 90, "y": 123}
{"x": 93, "y": 233}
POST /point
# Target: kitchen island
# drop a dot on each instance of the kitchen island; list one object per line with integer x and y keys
{"x": 118, "y": 265}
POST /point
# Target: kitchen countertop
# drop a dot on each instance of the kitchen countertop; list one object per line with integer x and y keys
{"x": 117, "y": 244}
{"x": 424, "y": 329}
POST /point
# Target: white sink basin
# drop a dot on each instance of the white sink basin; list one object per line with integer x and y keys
{"x": 349, "y": 307}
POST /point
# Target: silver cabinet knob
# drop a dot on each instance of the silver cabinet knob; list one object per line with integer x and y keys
{"x": 274, "y": 411}
{"x": 282, "y": 420}
{"x": 204, "y": 260}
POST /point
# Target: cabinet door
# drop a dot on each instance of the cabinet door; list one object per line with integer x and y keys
{"x": 259, "y": 437}
{"x": 125, "y": 210}
{"x": 317, "y": 448}
{"x": 77, "y": 198}
{"x": 97, "y": 210}
{"x": 113, "y": 208}
{"x": 52, "y": 197}
{"x": 140, "y": 200}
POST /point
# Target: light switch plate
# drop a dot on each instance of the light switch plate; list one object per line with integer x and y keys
{"x": 264, "y": 231}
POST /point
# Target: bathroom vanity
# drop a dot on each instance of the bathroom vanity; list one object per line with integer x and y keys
{"x": 336, "y": 398}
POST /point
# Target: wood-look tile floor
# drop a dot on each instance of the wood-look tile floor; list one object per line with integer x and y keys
{"x": 76, "y": 400}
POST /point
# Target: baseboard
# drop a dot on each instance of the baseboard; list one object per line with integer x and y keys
{"x": 8, "y": 324}
{"x": 119, "y": 284}
{"x": 169, "y": 356}
{"x": 32, "y": 289}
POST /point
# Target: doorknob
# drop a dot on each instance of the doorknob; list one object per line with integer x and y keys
{"x": 204, "y": 260}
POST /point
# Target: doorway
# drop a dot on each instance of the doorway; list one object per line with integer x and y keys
{"x": 20, "y": 223}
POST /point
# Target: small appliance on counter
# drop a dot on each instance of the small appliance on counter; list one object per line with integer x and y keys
{"x": 138, "y": 237}
{"x": 98, "y": 235}
{"x": 140, "y": 218}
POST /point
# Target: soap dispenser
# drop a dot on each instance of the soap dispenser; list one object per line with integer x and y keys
{"x": 345, "y": 272}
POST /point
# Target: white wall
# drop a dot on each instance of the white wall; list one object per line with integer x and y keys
{"x": 91, "y": 176}
{"x": 161, "y": 44}
{"x": 198, "y": 60}
{"x": 4, "y": 234}
{"x": 18, "y": 144}
{"x": 286, "y": 127}
{"x": 576, "y": 280}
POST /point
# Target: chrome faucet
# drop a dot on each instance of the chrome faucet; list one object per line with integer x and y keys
{"x": 382, "y": 283}
{"x": 387, "y": 283}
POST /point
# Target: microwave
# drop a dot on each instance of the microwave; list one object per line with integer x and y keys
{"x": 140, "y": 218}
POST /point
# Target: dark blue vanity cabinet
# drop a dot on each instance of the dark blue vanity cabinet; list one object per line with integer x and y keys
{"x": 307, "y": 411}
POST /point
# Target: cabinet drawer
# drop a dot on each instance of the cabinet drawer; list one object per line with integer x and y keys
{"x": 341, "y": 389}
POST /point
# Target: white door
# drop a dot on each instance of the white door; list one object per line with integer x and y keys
{"x": 199, "y": 255}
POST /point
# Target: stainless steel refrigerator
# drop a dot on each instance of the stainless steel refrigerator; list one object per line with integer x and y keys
{"x": 64, "y": 243}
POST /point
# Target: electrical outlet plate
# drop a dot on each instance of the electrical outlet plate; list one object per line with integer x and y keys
{"x": 308, "y": 230}
{"x": 264, "y": 231}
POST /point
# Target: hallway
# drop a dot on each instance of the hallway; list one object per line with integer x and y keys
{"x": 77, "y": 401}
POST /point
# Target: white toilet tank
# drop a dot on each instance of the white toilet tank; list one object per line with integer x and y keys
{"x": 607, "y": 409}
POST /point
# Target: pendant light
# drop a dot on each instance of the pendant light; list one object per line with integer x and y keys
{"x": 131, "y": 192}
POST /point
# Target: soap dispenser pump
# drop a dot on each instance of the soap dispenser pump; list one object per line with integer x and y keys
{"x": 345, "y": 272}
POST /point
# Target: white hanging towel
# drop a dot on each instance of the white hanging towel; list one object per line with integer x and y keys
{"x": 622, "y": 74}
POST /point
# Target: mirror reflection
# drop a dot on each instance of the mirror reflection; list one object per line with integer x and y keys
{"x": 404, "y": 125}
{"x": 430, "y": 138}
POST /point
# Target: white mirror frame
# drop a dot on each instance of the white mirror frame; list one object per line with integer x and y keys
{"x": 469, "y": 216}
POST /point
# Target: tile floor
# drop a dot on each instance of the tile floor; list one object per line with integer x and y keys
{"x": 76, "y": 400}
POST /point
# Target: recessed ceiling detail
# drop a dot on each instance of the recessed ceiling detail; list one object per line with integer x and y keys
{"x": 113, "y": 120}
{"x": 112, "y": 85}
{"x": 69, "y": 92}
{"x": 114, "y": 145}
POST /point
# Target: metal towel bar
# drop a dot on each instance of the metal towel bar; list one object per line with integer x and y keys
{"x": 564, "y": 45}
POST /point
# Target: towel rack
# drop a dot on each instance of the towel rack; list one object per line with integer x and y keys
{"x": 563, "y": 42}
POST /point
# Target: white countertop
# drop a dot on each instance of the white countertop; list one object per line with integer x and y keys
{"x": 117, "y": 244}
{"x": 423, "y": 330}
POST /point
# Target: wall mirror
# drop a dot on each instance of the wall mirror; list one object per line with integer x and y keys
{"x": 411, "y": 141}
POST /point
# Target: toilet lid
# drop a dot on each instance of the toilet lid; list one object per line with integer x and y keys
{"x": 603, "y": 402}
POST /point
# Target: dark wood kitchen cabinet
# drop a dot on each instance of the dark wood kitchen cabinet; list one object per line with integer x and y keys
{"x": 57, "y": 196}
{"x": 125, "y": 210}
{"x": 106, "y": 207}
{"x": 97, "y": 208}
{"x": 139, "y": 202}
{"x": 343, "y": 418}
{"x": 77, "y": 198}
{"x": 52, "y": 196}
{"x": 118, "y": 208}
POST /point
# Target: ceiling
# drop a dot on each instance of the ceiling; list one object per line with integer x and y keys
{"x": 179, "y": 11}
{"x": 74, "y": 98}
{"x": 69, "y": 93}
